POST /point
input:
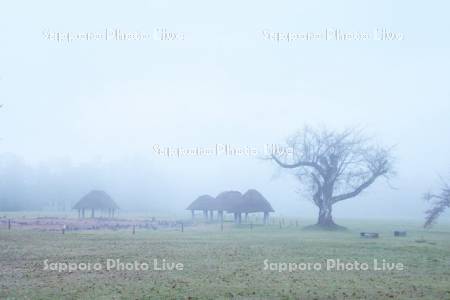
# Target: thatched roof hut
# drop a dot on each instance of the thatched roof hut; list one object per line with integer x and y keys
{"x": 251, "y": 202}
{"x": 96, "y": 200}
{"x": 226, "y": 201}
{"x": 254, "y": 201}
{"x": 232, "y": 202}
{"x": 203, "y": 202}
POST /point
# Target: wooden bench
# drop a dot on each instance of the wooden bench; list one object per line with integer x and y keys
{"x": 369, "y": 235}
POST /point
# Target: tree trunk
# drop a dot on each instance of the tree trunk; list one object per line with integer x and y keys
{"x": 325, "y": 216}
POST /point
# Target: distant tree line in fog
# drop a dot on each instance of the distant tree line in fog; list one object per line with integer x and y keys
{"x": 57, "y": 185}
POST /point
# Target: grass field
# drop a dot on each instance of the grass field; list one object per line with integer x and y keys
{"x": 229, "y": 264}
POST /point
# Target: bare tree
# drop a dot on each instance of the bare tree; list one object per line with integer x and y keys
{"x": 440, "y": 203}
{"x": 334, "y": 166}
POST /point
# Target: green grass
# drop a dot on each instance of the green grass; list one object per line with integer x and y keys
{"x": 229, "y": 264}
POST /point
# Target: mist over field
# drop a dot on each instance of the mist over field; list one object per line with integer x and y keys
{"x": 83, "y": 114}
{"x": 87, "y": 114}
{"x": 237, "y": 150}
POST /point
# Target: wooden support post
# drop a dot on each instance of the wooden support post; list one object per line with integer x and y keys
{"x": 93, "y": 213}
{"x": 246, "y": 217}
{"x": 239, "y": 218}
{"x": 221, "y": 225}
{"x": 134, "y": 229}
{"x": 182, "y": 227}
{"x": 220, "y": 213}
{"x": 82, "y": 213}
{"x": 266, "y": 217}
{"x": 9, "y": 224}
{"x": 211, "y": 215}
{"x": 64, "y": 229}
{"x": 205, "y": 214}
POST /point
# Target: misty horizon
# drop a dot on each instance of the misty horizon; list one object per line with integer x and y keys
{"x": 107, "y": 90}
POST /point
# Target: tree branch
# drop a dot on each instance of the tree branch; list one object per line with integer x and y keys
{"x": 442, "y": 201}
{"x": 358, "y": 190}
{"x": 300, "y": 164}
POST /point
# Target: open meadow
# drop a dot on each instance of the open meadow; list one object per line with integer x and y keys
{"x": 240, "y": 263}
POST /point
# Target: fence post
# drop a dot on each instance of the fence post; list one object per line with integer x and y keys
{"x": 134, "y": 229}
{"x": 9, "y": 224}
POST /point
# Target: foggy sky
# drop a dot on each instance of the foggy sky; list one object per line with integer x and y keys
{"x": 225, "y": 84}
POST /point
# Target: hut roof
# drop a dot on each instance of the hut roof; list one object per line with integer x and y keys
{"x": 201, "y": 203}
{"x": 253, "y": 201}
{"x": 96, "y": 200}
{"x": 228, "y": 200}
